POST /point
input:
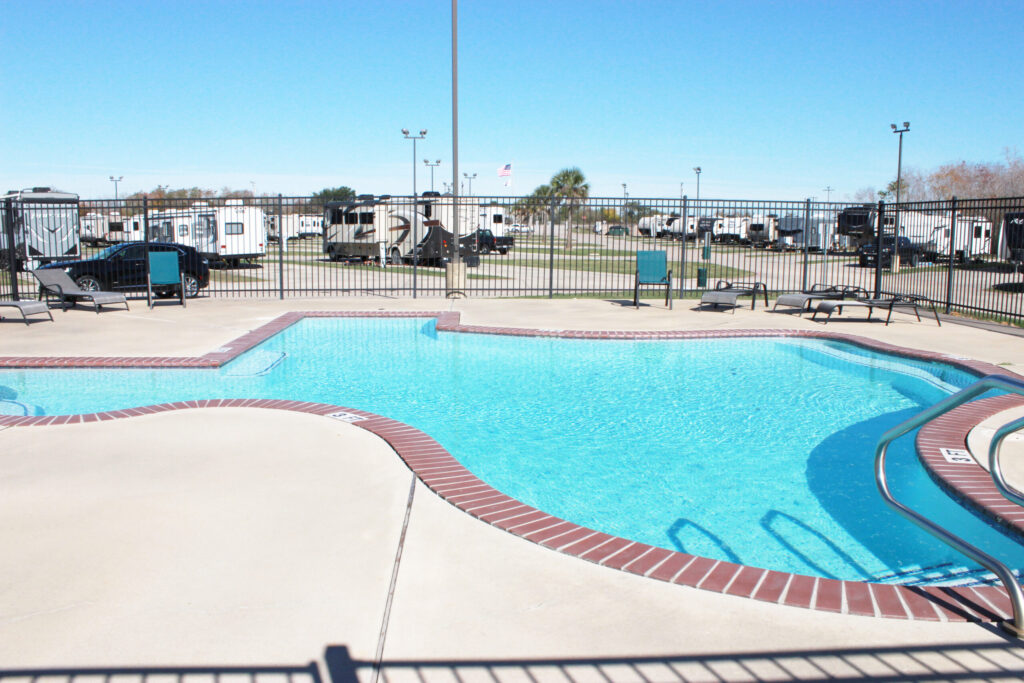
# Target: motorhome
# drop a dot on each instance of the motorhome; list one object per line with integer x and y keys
{"x": 371, "y": 229}
{"x": 229, "y": 233}
{"x": 387, "y": 230}
{"x": 1011, "y": 238}
{"x": 44, "y": 225}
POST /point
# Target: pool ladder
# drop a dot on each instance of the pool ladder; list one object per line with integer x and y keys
{"x": 1016, "y": 625}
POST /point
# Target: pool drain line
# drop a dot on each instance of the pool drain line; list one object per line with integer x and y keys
{"x": 379, "y": 656}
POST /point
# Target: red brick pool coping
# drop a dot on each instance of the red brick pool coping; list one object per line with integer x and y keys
{"x": 446, "y": 477}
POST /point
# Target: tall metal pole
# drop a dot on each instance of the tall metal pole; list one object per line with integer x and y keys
{"x": 116, "y": 181}
{"x": 455, "y": 131}
{"x": 432, "y": 165}
{"x": 415, "y": 236}
{"x": 899, "y": 182}
{"x": 469, "y": 180}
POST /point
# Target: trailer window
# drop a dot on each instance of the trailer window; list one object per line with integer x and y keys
{"x": 497, "y": 218}
{"x": 351, "y": 219}
{"x": 977, "y": 231}
{"x": 182, "y": 231}
{"x": 234, "y": 228}
{"x": 366, "y": 218}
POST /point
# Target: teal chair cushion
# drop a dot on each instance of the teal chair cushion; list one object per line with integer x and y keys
{"x": 163, "y": 268}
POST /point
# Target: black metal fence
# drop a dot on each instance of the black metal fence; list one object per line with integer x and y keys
{"x": 960, "y": 254}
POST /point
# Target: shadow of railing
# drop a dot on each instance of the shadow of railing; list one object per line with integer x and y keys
{"x": 946, "y": 661}
{"x": 954, "y": 661}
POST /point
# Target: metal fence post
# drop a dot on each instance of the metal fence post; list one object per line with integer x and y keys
{"x": 879, "y": 227}
{"x": 280, "y": 248}
{"x": 12, "y": 259}
{"x": 145, "y": 238}
{"x": 807, "y": 244}
{"x": 952, "y": 254}
{"x": 551, "y": 250}
{"x": 682, "y": 259}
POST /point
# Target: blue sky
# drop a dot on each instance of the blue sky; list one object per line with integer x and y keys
{"x": 774, "y": 100}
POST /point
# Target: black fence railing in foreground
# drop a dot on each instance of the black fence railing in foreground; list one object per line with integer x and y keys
{"x": 963, "y": 255}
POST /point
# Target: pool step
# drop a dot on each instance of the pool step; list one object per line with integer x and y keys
{"x": 254, "y": 363}
{"x": 945, "y": 574}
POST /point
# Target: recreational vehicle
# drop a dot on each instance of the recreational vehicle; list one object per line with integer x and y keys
{"x": 397, "y": 231}
{"x": 104, "y": 229}
{"x": 227, "y": 234}
{"x": 858, "y": 223}
{"x": 800, "y": 233}
{"x": 662, "y": 225}
{"x": 931, "y": 233}
{"x": 294, "y": 226}
{"x": 762, "y": 230}
{"x": 1011, "y": 239}
{"x": 734, "y": 230}
{"x": 43, "y": 224}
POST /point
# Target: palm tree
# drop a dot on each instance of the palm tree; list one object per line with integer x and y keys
{"x": 570, "y": 185}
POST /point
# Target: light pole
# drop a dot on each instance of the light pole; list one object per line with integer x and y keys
{"x": 680, "y": 190}
{"x": 899, "y": 172}
{"x": 899, "y": 161}
{"x": 469, "y": 178}
{"x": 625, "y": 196}
{"x": 432, "y": 166}
{"x": 696, "y": 169}
{"x": 116, "y": 181}
{"x": 415, "y": 236}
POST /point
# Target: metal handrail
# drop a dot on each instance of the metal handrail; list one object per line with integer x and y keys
{"x": 1016, "y": 626}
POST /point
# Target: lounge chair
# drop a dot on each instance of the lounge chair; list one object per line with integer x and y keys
{"x": 55, "y": 282}
{"x": 164, "y": 273}
{"x": 805, "y": 300}
{"x": 28, "y": 308}
{"x": 728, "y": 293}
{"x": 652, "y": 270}
{"x": 887, "y": 301}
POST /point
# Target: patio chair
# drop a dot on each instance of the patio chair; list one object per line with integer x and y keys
{"x": 28, "y": 308}
{"x": 728, "y": 293}
{"x": 164, "y": 273}
{"x": 804, "y": 301}
{"x": 652, "y": 270}
{"x": 55, "y": 282}
{"x": 887, "y": 301}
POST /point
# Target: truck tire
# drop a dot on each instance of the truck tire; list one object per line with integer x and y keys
{"x": 485, "y": 249}
{"x": 396, "y": 257}
{"x": 914, "y": 259}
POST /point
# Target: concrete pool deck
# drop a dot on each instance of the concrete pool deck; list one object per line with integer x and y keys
{"x": 262, "y": 553}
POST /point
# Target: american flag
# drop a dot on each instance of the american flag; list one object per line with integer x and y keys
{"x": 505, "y": 171}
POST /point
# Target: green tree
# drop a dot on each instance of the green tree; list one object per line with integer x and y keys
{"x": 571, "y": 187}
{"x": 334, "y": 194}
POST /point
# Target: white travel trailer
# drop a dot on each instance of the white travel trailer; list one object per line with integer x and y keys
{"x": 112, "y": 228}
{"x": 797, "y": 232}
{"x": 491, "y": 218}
{"x": 294, "y": 226}
{"x": 229, "y": 234}
{"x": 932, "y": 234}
{"x": 735, "y": 229}
{"x": 43, "y": 223}
{"x": 762, "y": 229}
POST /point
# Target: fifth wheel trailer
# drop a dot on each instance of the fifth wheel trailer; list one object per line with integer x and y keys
{"x": 44, "y": 225}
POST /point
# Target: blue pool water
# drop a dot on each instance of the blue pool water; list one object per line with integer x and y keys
{"x": 757, "y": 451}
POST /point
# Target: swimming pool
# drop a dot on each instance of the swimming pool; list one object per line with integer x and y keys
{"x": 756, "y": 451}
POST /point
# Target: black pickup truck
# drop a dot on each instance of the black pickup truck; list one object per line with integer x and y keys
{"x": 910, "y": 254}
{"x": 486, "y": 242}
